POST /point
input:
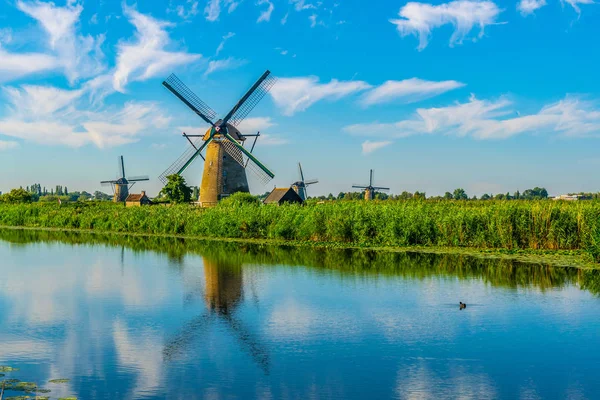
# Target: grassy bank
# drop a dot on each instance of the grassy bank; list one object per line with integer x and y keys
{"x": 508, "y": 225}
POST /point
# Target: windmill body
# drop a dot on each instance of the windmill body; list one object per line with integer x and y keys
{"x": 370, "y": 189}
{"x": 222, "y": 175}
{"x": 301, "y": 185}
{"x": 122, "y": 185}
{"x": 226, "y": 160}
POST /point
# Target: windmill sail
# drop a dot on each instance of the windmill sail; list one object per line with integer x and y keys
{"x": 250, "y": 99}
{"x": 236, "y": 153}
{"x": 184, "y": 160}
{"x": 184, "y": 94}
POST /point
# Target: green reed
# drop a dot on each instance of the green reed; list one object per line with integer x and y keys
{"x": 545, "y": 224}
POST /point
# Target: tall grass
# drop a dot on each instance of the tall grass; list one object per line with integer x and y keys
{"x": 482, "y": 224}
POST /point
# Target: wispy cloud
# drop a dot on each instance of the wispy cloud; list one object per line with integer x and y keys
{"x": 368, "y": 146}
{"x": 146, "y": 57}
{"x": 482, "y": 119}
{"x": 212, "y": 11}
{"x": 262, "y": 125}
{"x": 300, "y": 5}
{"x": 52, "y": 116}
{"x": 80, "y": 56}
{"x": 8, "y": 145}
{"x": 575, "y": 4}
{"x": 420, "y": 19}
{"x": 187, "y": 10}
{"x": 284, "y": 19}
{"x": 222, "y": 44}
{"x": 266, "y": 14}
{"x": 219, "y": 65}
{"x": 17, "y": 65}
{"x": 297, "y": 94}
{"x": 527, "y": 7}
{"x": 408, "y": 91}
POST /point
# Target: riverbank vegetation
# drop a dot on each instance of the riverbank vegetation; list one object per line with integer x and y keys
{"x": 539, "y": 225}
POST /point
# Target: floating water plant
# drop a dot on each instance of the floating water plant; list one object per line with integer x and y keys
{"x": 5, "y": 368}
{"x": 59, "y": 380}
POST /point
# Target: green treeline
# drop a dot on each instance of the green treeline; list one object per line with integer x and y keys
{"x": 344, "y": 262}
{"x": 542, "y": 224}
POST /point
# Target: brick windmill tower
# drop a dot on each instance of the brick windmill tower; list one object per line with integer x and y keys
{"x": 370, "y": 189}
{"x": 226, "y": 158}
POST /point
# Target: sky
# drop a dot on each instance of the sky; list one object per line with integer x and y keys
{"x": 488, "y": 96}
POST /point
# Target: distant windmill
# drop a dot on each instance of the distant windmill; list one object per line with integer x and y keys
{"x": 122, "y": 185}
{"x": 300, "y": 185}
{"x": 370, "y": 189}
{"x": 226, "y": 158}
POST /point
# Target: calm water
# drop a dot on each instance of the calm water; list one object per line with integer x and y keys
{"x": 136, "y": 318}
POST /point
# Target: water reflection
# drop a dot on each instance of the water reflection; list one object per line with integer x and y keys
{"x": 223, "y": 293}
{"x": 156, "y": 318}
{"x": 346, "y": 262}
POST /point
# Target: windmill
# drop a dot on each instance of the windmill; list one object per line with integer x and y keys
{"x": 370, "y": 189}
{"x": 300, "y": 185}
{"x": 122, "y": 185}
{"x": 226, "y": 159}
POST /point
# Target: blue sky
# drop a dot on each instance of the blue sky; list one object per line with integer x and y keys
{"x": 488, "y": 96}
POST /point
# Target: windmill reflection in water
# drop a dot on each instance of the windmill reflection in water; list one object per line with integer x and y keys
{"x": 223, "y": 293}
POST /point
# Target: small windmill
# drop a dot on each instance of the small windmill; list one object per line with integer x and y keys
{"x": 300, "y": 185}
{"x": 370, "y": 189}
{"x": 122, "y": 185}
{"x": 226, "y": 159}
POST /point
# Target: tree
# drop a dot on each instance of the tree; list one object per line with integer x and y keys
{"x": 176, "y": 190}
{"x": 18, "y": 196}
{"x": 460, "y": 194}
{"x": 448, "y": 196}
{"x": 405, "y": 195}
{"x": 486, "y": 197}
{"x": 419, "y": 195}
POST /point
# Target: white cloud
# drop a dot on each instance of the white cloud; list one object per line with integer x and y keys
{"x": 146, "y": 57}
{"x": 297, "y": 94}
{"x": 188, "y": 13}
{"x": 266, "y": 14}
{"x": 368, "y": 146}
{"x": 94, "y": 19}
{"x": 80, "y": 56}
{"x": 574, "y": 4}
{"x": 408, "y": 90}
{"x": 285, "y": 18}
{"x": 222, "y": 44}
{"x": 52, "y": 116}
{"x": 527, "y": 7}
{"x": 212, "y": 11}
{"x": 15, "y": 65}
{"x": 219, "y": 65}
{"x": 262, "y": 124}
{"x": 420, "y": 19}
{"x": 300, "y": 5}
{"x": 8, "y": 145}
{"x": 481, "y": 119}
{"x": 313, "y": 20}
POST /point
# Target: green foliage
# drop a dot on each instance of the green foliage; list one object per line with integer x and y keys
{"x": 17, "y": 196}
{"x": 239, "y": 199}
{"x": 176, "y": 190}
{"x": 460, "y": 194}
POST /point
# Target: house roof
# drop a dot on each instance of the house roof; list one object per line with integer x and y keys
{"x": 135, "y": 197}
{"x": 279, "y": 194}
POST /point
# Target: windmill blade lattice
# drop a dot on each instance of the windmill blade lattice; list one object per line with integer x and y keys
{"x": 244, "y": 161}
{"x": 180, "y": 90}
{"x": 248, "y": 105}
{"x": 181, "y": 161}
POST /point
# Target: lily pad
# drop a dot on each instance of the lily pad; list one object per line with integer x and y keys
{"x": 68, "y": 398}
{"x": 18, "y": 386}
{"x": 59, "y": 380}
{"x": 6, "y": 368}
